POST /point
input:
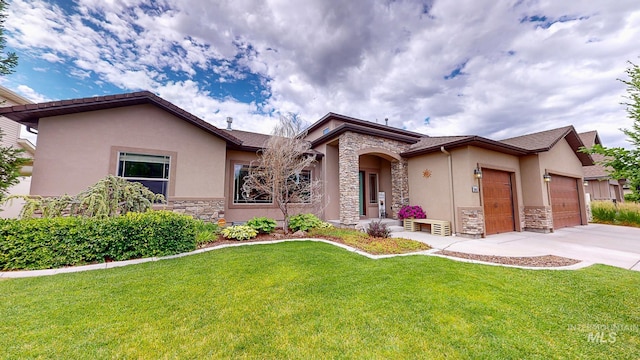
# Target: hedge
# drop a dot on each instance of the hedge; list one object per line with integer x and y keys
{"x": 65, "y": 241}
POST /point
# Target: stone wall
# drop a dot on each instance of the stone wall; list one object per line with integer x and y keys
{"x": 348, "y": 156}
{"x": 471, "y": 222}
{"x": 538, "y": 219}
{"x": 203, "y": 209}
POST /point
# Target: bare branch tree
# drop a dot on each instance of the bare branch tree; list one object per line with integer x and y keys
{"x": 283, "y": 170}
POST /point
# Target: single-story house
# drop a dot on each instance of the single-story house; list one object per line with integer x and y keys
{"x": 11, "y": 138}
{"x": 368, "y": 170}
{"x": 599, "y": 184}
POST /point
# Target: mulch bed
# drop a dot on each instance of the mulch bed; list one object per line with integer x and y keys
{"x": 533, "y": 261}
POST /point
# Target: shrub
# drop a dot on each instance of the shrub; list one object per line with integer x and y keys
{"x": 206, "y": 232}
{"x": 239, "y": 232}
{"x": 65, "y": 241}
{"x": 263, "y": 225}
{"x": 378, "y": 229}
{"x": 609, "y": 213}
{"x": 111, "y": 196}
{"x": 409, "y": 211}
{"x": 305, "y": 222}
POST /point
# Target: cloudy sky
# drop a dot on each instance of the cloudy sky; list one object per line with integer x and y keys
{"x": 495, "y": 68}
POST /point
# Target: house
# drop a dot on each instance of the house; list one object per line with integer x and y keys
{"x": 368, "y": 170}
{"x": 11, "y": 138}
{"x": 600, "y": 185}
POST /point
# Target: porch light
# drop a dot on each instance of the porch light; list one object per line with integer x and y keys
{"x": 585, "y": 183}
{"x": 546, "y": 177}
{"x": 477, "y": 173}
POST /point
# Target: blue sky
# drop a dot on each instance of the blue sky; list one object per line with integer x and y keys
{"x": 491, "y": 68}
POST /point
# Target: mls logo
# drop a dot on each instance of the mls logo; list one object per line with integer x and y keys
{"x": 601, "y": 337}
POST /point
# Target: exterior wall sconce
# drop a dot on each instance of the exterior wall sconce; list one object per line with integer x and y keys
{"x": 546, "y": 177}
{"x": 585, "y": 183}
{"x": 477, "y": 173}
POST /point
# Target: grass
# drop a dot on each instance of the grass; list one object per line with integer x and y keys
{"x": 372, "y": 245}
{"x": 606, "y": 212}
{"x": 313, "y": 300}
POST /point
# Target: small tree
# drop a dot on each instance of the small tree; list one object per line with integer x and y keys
{"x": 620, "y": 162}
{"x": 282, "y": 170}
{"x": 10, "y": 164}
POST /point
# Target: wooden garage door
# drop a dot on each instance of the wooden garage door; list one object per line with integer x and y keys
{"x": 565, "y": 203}
{"x": 498, "y": 201}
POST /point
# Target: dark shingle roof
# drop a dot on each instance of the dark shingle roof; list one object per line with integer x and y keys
{"x": 595, "y": 171}
{"x": 542, "y": 141}
{"x": 30, "y": 114}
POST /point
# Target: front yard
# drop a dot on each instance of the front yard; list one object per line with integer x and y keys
{"x": 313, "y": 300}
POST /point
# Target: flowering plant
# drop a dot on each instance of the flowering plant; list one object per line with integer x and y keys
{"x": 409, "y": 211}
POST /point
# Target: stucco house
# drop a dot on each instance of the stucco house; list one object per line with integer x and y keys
{"x": 600, "y": 185}
{"x": 368, "y": 170}
{"x": 11, "y": 138}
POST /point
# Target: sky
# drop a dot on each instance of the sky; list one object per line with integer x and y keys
{"x": 494, "y": 68}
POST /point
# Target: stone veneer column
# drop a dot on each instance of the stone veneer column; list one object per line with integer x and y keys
{"x": 348, "y": 179}
{"x": 538, "y": 219}
{"x": 399, "y": 186}
{"x": 471, "y": 222}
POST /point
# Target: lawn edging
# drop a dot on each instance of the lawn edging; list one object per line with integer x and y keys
{"x": 115, "y": 264}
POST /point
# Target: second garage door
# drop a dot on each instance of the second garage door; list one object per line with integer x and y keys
{"x": 565, "y": 202}
{"x": 498, "y": 201}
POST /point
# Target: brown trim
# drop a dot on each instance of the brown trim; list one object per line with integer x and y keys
{"x": 361, "y": 123}
{"x": 176, "y": 198}
{"x": 173, "y": 161}
{"x": 362, "y": 130}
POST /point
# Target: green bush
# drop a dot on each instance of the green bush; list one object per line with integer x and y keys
{"x": 607, "y": 212}
{"x": 206, "y": 232}
{"x": 65, "y": 241}
{"x": 239, "y": 232}
{"x": 304, "y": 222}
{"x": 264, "y": 225}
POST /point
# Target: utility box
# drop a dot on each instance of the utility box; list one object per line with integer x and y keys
{"x": 382, "y": 213}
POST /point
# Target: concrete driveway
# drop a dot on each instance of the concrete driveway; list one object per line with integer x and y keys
{"x": 595, "y": 243}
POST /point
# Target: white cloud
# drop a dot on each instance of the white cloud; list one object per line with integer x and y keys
{"x": 31, "y": 94}
{"x": 365, "y": 59}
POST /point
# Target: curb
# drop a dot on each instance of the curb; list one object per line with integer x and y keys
{"x": 115, "y": 264}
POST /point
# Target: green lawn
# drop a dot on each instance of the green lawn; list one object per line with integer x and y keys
{"x": 313, "y": 300}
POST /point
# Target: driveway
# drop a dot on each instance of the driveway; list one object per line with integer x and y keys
{"x": 595, "y": 243}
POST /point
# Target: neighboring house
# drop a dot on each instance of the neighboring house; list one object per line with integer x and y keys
{"x": 481, "y": 185}
{"x": 600, "y": 185}
{"x": 11, "y": 137}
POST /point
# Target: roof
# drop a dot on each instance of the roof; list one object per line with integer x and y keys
{"x": 255, "y": 141}
{"x": 13, "y": 97}
{"x": 595, "y": 171}
{"x": 373, "y": 131}
{"x": 363, "y": 124}
{"x": 521, "y": 145}
{"x": 30, "y": 114}
{"x": 590, "y": 138}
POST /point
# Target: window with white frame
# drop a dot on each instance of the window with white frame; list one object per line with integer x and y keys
{"x": 151, "y": 171}
{"x": 240, "y": 171}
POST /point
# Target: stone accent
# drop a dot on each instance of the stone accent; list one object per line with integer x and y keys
{"x": 471, "y": 222}
{"x": 538, "y": 219}
{"x": 203, "y": 209}
{"x": 349, "y": 145}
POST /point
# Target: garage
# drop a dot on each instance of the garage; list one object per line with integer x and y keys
{"x": 565, "y": 201}
{"x": 497, "y": 194}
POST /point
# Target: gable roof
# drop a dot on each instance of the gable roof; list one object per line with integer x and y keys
{"x": 521, "y": 145}
{"x": 363, "y": 124}
{"x": 30, "y": 114}
{"x": 595, "y": 171}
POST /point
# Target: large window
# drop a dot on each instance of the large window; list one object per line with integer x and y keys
{"x": 151, "y": 171}
{"x": 240, "y": 171}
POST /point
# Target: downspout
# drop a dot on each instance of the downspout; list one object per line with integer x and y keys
{"x": 451, "y": 195}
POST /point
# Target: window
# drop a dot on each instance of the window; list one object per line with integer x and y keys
{"x": 325, "y": 131}
{"x": 151, "y": 171}
{"x": 373, "y": 188}
{"x": 240, "y": 171}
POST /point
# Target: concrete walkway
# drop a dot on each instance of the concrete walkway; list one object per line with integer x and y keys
{"x": 595, "y": 243}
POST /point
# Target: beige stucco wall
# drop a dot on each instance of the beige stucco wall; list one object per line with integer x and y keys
{"x": 560, "y": 160}
{"x": 331, "y": 124}
{"x": 431, "y": 193}
{"x": 75, "y": 151}
{"x": 330, "y": 182}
